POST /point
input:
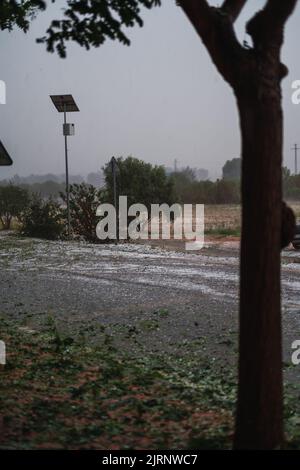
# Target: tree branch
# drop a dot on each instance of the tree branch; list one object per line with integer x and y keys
{"x": 233, "y": 8}
{"x": 215, "y": 27}
{"x": 200, "y": 15}
{"x": 279, "y": 11}
{"x": 267, "y": 26}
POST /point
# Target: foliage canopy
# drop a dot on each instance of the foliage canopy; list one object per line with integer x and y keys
{"x": 87, "y": 22}
{"x": 141, "y": 182}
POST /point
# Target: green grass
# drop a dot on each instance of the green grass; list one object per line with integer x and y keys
{"x": 58, "y": 392}
{"x": 224, "y": 232}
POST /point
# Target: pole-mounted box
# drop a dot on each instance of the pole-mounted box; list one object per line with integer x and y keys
{"x": 69, "y": 129}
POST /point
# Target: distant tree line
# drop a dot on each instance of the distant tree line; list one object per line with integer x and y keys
{"x": 39, "y": 209}
{"x": 51, "y": 185}
{"x": 190, "y": 191}
{"x": 32, "y": 179}
{"x": 139, "y": 181}
{"x": 227, "y": 189}
{"x": 44, "y": 189}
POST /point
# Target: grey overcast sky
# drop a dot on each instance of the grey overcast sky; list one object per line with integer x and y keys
{"x": 159, "y": 99}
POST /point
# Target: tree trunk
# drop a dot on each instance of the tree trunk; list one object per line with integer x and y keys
{"x": 255, "y": 74}
{"x": 259, "y": 411}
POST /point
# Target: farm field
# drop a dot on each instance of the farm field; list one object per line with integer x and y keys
{"x": 226, "y": 219}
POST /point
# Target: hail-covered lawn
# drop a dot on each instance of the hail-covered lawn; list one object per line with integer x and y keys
{"x": 126, "y": 345}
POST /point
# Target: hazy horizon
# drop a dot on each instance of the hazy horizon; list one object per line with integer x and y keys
{"x": 159, "y": 99}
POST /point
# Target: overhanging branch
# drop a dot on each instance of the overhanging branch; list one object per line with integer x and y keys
{"x": 216, "y": 31}
{"x": 267, "y": 26}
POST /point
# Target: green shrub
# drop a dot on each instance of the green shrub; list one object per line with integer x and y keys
{"x": 13, "y": 202}
{"x": 43, "y": 219}
{"x": 84, "y": 200}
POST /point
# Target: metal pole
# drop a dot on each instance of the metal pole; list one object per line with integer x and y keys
{"x": 114, "y": 170}
{"x": 296, "y": 158}
{"x": 67, "y": 176}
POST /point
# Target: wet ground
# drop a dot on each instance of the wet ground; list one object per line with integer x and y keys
{"x": 159, "y": 299}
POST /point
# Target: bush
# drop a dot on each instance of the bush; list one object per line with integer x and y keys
{"x": 84, "y": 200}
{"x": 43, "y": 219}
{"x": 13, "y": 202}
{"x": 227, "y": 192}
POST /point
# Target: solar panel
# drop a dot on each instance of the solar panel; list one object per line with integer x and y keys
{"x": 5, "y": 159}
{"x": 64, "y": 103}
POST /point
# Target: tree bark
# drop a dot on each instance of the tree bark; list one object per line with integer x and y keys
{"x": 259, "y": 411}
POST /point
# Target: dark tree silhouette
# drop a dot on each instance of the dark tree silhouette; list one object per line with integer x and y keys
{"x": 255, "y": 74}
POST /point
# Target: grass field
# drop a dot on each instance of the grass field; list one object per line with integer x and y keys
{"x": 225, "y": 220}
{"x": 222, "y": 220}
